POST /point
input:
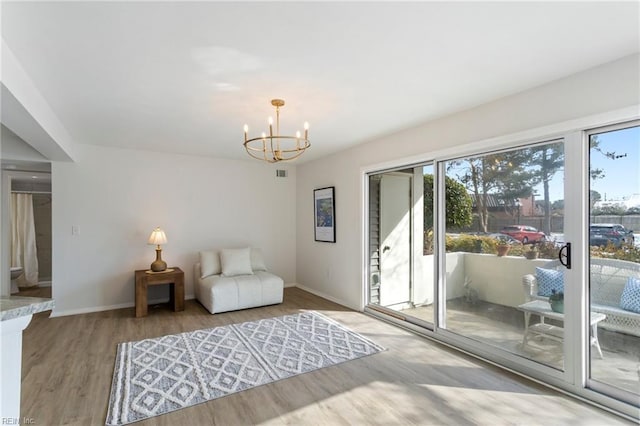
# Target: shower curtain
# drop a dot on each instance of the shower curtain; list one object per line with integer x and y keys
{"x": 23, "y": 239}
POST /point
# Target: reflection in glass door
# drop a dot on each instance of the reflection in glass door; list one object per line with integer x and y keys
{"x": 614, "y": 260}
{"x": 502, "y": 242}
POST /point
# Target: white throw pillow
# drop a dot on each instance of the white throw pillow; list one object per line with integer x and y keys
{"x": 209, "y": 263}
{"x": 236, "y": 262}
{"x": 257, "y": 260}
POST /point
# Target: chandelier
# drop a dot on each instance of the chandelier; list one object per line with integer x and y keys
{"x": 273, "y": 148}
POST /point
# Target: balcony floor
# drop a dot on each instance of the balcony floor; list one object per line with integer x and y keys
{"x": 503, "y": 327}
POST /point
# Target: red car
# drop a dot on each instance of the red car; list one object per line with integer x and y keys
{"x": 525, "y": 234}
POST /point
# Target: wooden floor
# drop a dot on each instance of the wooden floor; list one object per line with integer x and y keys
{"x": 68, "y": 364}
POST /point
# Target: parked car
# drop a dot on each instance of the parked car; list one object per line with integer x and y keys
{"x": 524, "y": 234}
{"x": 601, "y": 234}
{"x": 503, "y": 238}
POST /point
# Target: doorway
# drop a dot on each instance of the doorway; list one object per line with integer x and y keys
{"x": 395, "y": 240}
{"x": 29, "y": 230}
{"x": 401, "y": 271}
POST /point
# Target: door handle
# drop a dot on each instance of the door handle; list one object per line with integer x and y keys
{"x": 564, "y": 255}
{"x": 385, "y": 249}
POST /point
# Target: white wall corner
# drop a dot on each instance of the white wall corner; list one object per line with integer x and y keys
{"x": 330, "y": 298}
{"x": 27, "y": 113}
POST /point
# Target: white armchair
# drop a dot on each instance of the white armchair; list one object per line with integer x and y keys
{"x": 233, "y": 279}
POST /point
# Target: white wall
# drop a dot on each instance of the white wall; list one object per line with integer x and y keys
{"x": 499, "y": 279}
{"x": 26, "y": 112}
{"x": 335, "y": 270}
{"x": 14, "y": 148}
{"x": 116, "y": 197}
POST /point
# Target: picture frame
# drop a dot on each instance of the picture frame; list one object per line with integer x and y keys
{"x": 324, "y": 208}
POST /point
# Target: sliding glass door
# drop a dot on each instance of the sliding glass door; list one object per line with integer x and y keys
{"x": 614, "y": 260}
{"x": 502, "y": 238}
{"x": 528, "y": 255}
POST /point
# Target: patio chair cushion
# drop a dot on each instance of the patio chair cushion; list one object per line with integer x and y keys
{"x": 607, "y": 280}
{"x": 549, "y": 279}
{"x": 630, "y": 299}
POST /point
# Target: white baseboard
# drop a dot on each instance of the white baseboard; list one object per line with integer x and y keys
{"x": 326, "y": 296}
{"x": 67, "y": 312}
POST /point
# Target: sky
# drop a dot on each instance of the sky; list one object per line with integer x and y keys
{"x": 621, "y": 175}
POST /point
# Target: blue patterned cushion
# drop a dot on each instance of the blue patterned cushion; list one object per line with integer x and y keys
{"x": 630, "y": 299}
{"x": 549, "y": 279}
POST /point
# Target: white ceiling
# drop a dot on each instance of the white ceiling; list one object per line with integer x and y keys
{"x": 184, "y": 77}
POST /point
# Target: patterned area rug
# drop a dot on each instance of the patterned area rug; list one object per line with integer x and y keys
{"x": 157, "y": 376}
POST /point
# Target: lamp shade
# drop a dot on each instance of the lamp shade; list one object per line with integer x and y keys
{"x": 157, "y": 237}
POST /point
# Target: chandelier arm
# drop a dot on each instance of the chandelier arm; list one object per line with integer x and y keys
{"x": 249, "y": 149}
{"x": 273, "y": 155}
{"x": 272, "y": 150}
{"x": 277, "y": 147}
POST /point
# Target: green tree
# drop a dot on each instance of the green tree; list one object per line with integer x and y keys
{"x": 608, "y": 210}
{"x": 594, "y": 146}
{"x": 458, "y": 203}
{"x": 547, "y": 160}
{"x": 502, "y": 176}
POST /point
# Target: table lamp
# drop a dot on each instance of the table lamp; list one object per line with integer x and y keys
{"x": 156, "y": 238}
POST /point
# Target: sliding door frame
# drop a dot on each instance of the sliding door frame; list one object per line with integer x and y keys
{"x": 588, "y": 382}
{"x": 573, "y": 380}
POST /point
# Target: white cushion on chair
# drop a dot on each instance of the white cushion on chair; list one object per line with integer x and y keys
{"x": 222, "y": 294}
{"x": 236, "y": 262}
{"x": 209, "y": 263}
{"x": 257, "y": 260}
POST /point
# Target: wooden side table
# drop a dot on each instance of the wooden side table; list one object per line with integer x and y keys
{"x": 145, "y": 279}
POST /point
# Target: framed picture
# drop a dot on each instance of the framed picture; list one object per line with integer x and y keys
{"x": 324, "y": 204}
